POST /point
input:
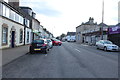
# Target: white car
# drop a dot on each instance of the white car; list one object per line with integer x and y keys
{"x": 106, "y": 45}
{"x": 49, "y": 43}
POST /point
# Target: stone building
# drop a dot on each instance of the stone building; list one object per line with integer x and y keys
{"x": 90, "y": 32}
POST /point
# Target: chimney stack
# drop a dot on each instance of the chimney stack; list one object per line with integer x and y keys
{"x": 14, "y": 3}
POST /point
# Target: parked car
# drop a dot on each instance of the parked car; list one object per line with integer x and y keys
{"x": 56, "y": 42}
{"x": 39, "y": 45}
{"x": 106, "y": 45}
{"x": 50, "y": 44}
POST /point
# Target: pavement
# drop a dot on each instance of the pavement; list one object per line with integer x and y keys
{"x": 67, "y": 61}
{"x": 11, "y": 54}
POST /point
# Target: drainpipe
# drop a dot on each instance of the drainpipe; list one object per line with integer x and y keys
{"x": 24, "y": 31}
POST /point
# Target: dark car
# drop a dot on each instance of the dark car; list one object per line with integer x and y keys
{"x": 39, "y": 45}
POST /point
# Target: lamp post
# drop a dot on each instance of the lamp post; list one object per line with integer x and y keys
{"x": 102, "y": 20}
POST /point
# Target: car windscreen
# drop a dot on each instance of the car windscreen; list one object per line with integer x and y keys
{"x": 56, "y": 40}
{"x": 39, "y": 41}
{"x": 48, "y": 40}
{"x": 107, "y": 42}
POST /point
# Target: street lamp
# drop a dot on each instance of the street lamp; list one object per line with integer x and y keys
{"x": 102, "y": 20}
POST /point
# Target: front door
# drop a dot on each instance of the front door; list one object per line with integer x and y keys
{"x": 13, "y": 39}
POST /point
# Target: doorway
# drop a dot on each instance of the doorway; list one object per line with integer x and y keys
{"x": 13, "y": 39}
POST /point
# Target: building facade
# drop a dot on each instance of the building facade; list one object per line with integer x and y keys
{"x": 11, "y": 26}
{"x": 36, "y": 29}
{"x": 114, "y": 34}
{"x": 91, "y": 32}
{"x": 18, "y": 25}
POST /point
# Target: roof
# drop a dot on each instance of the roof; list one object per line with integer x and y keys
{"x": 102, "y": 24}
{"x": 24, "y": 7}
{"x": 118, "y": 24}
{"x": 71, "y": 33}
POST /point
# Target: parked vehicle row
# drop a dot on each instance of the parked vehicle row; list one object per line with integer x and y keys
{"x": 106, "y": 45}
{"x": 43, "y": 45}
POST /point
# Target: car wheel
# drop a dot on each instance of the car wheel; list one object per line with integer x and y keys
{"x": 105, "y": 48}
{"x": 45, "y": 51}
{"x": 48, "y": 49}
{"x": 97, "y": 47}
{"x": 31, "y": 52}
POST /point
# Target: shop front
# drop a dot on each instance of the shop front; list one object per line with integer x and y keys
{"x": 114, "y": 34}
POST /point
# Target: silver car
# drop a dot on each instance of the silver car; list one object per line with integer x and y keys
{"x": 49, "y": 43}
{"x": 106, "y": 45}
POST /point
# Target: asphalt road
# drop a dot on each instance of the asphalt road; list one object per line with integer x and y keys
{"x": 67, "y": 61}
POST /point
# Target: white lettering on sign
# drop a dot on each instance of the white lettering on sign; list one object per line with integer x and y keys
{"x": 115, "y": 28}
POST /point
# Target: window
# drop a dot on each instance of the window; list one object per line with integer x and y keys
{"x": 21, "y": 19}
{"x": 27, "y": 22}
{"x": 28, "y": 37}
{"x": 7, "y": 12}
{"x": 21, "y": 35}
{"x": 4, "y": 10}
{"x": 4, "y": 35}
{"x": 16, "y": 17}
{"x": 1, "y": 10}
{"x": 12, "y": 15}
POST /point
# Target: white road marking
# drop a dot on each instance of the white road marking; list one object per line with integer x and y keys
{"x": 46, "y": 55}
{"x": 77, "y": 50}
{"x": 84, "y": 45}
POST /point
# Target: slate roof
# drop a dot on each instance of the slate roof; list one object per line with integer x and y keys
{"x": 102, "y": 24}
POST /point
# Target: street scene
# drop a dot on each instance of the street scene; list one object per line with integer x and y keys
{"x": 67, "y": 61}
{"x": 59, "y": 39}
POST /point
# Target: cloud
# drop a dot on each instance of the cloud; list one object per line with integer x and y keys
{"x": 41, "y": 7}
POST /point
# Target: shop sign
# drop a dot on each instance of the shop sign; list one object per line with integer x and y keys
{"x": 114, "y": 30}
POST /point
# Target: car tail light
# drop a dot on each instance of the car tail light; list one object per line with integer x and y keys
{"x": 44, "y": 45}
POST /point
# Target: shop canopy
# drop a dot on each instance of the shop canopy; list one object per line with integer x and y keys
{"x": 36, "y": 32}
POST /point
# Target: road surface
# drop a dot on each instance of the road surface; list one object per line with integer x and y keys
{"x": 70, "y": 60}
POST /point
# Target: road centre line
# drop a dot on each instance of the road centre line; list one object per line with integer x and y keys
{"x": 77, "y": 50}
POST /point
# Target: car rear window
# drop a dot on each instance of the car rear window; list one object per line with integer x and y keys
{"x": 39, "y": 41}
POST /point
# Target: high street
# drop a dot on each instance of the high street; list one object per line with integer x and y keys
{"x": 70, "y": 60}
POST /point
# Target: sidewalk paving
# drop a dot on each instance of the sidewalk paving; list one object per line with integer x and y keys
{"x": 12, "y": 53}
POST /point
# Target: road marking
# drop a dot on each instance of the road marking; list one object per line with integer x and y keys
{"x": 84, "y": 45}
{"x": 77, "y": 50}
{"x": 46, "y": 55}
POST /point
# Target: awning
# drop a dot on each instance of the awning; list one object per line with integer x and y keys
{"x": 36, "y": 32}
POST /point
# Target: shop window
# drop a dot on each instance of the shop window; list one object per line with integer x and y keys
{"x": 21, "y": 35}
{"x": 4, "y": 35}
